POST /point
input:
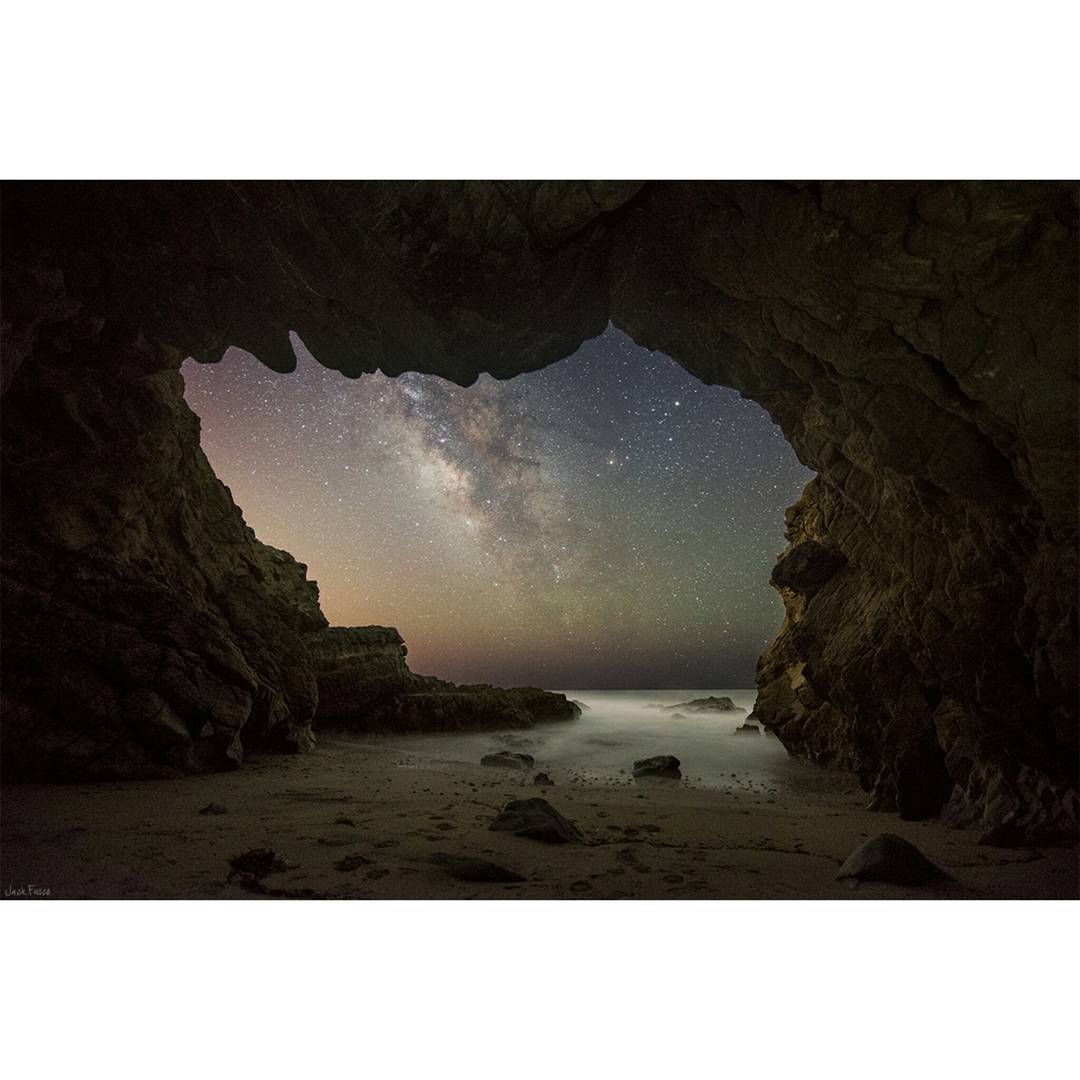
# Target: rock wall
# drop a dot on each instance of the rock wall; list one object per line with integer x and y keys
{"x": 918, "y": 346}
{"x": 365, "y": 685}
{"x": 146, "y": 632}
{"x": 917, "y": 343}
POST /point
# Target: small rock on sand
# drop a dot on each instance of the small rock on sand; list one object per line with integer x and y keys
{"x": 252, "y": 866}
{"x": 507, "y": 760}
{"x": 466, "y": 868}
{"x": 537, "y": 819}
{"x": 661, "y": 765}
{"x": 543, "y": 780}
{"x": 213, "y": 808}
{"x": 351, "y": 862}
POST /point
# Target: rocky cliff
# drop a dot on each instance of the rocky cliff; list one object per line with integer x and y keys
{"x": 146, "y": 631}
{"x": 364, "y": 684}
{"x": 917, "y": 343}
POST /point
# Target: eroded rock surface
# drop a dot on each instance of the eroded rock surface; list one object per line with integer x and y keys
{"x": 916, "y": 342}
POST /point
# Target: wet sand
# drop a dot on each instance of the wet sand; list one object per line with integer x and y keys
{"x": 646, "y": 840}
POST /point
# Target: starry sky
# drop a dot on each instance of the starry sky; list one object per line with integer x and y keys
{"x": 609, "y": 522}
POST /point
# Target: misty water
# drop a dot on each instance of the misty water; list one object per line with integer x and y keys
{"x": 618, "y": 727}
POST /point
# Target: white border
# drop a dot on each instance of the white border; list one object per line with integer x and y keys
{"x": 561, "y": 89}
{"x": 479, "y": 88}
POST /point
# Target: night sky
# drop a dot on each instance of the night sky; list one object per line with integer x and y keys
{"x": 608, "y": 522}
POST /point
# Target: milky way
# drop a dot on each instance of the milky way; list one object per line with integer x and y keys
{"x": 608, "y": 521}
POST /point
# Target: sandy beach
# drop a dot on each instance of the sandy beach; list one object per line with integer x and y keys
{"x": 382, "y": 815}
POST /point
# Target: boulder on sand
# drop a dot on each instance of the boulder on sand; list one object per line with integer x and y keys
{"x": 507, "y": 760}
{"x": 538, "y": 819}
{"x": 543, "y": 780}
{"x": 661, "y": 765}
{"x": 466, "y": 868}
{"x": 891, "y": 858}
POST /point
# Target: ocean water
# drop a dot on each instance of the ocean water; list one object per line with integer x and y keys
{"x": 617, "y": 728}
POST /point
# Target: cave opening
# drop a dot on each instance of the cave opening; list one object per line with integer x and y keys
{"x": 607, "y": 522}
{"x": 914, "y": 341}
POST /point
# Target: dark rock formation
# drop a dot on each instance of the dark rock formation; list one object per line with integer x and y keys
{"x": 351, "y": 863}
{"x": 254, "y": 865}
{"x": 661, "y": 765}
{"x": 917, "y": 343}
{"x": 146, "y": 632}
{"x": 702, "y": 705}
{"x": 537, "y": 819}
{"x": 887, "y": 857}
{"x": 506, "y": 760}
{"x": 364, "y": 684}
{"x": 359, "y": 670}
{"x": 805, "y": 567}
{"x": 465, "y": 868}
{"x": 747, "y": 729}
{"x": 541, "y": 779}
